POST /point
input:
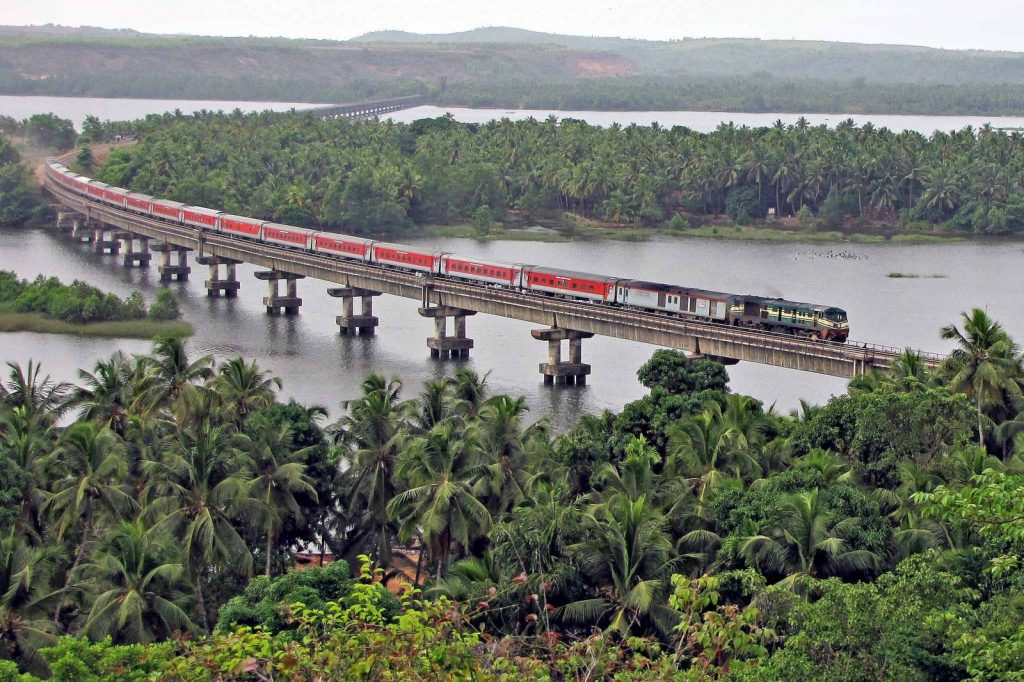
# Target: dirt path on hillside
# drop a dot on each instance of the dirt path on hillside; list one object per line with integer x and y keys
{"x": 37, "y": 158}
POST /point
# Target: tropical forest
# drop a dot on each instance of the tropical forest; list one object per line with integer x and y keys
{"x": 371, "y": 177}
{"x": 155, "y": 508}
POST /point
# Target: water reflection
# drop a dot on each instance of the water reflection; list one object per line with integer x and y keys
{"x": 318, "y": 365}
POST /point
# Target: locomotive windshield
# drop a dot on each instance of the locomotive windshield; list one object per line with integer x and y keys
{"x": 835, "y": 314}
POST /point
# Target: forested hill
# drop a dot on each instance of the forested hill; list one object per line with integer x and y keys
{"x": 798, "y": 59}
{"x": 509, "y": 68}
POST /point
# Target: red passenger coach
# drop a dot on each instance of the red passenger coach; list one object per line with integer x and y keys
{"x": 405, "y": 257}
{"x": 570, "y": 283}
{"x": 95, "y": 188}
{"x": 143, "y": 203}
{"x": 287, "y": 235}
{"x": 342, "y": 245}
{"x": 80, "y": 184}
{"x": 237, "y": 225}
{"x": 115, "y": 196}
{"x": 198, "y": 216}
{"x": 505, "y": 274}
{"x": 168, "y": 209}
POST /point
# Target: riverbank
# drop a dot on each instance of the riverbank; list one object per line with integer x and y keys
{"x": 123, "y": 329}
{"x": 584, "y": 230}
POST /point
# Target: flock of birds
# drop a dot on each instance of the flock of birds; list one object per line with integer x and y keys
{"x": 829, "y": 255}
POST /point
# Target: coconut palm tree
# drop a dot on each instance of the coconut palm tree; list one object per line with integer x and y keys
{"x": 440, "y": 503}
{"x": 26, "y": 596}
{"x": 197, "y": 492}
{"x": 706, "y": 448}
{"x": 375, "y": 430}
{"x": 93, "y": 466}
{"x": 280, "y": 475}
{"x": 470, "y": 389}
{"x": 434, "y": 405}
{"x": 139, "y": 584}
{"x": 506, "y": 447}
{"x": 173, "y": 368}
{"x": 108, "y": 394}
{"x": 808, "y": 542}
{"x": 627, "y": 552}
{"x": 27, "y": 439}
{"x": 244, "y": 388}
{"x": 985, "y": 365}
{"x": 28, "y": 388}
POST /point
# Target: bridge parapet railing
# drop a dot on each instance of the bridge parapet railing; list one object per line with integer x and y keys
{"x": 850, "y": 351}
{"x": 747, "y": 336}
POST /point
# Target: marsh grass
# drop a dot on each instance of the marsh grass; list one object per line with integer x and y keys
{"x": 126, "y": 329}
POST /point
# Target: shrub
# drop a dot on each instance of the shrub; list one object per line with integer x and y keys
{"x": 483, "y": 220}
{"x": 164, "y": 307}
{"x": 742, "y": 204}
{"x": 75, "y": 659}
{"x": 806, "y": 218}
{"x": 678, "y": 222}
{"x": 835, "y": 209}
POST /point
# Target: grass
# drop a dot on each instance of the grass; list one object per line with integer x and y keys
{"x": 576, "y": 228}
{"x": 128, "y": 329}
{"x": 502, "y": 234}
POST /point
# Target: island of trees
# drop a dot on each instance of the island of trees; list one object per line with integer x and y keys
{"x": 47, "y": 305}
{"x": 695, "y": 535}
{"x": 372, "y": 177}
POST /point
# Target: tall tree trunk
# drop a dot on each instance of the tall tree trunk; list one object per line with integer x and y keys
{"x": 86, "y": 532}
{"x": 419, "y": 564}
{"x": 270, "y": 547}
{"x": 981, "y": 432}
{"x": 201, "y": 603}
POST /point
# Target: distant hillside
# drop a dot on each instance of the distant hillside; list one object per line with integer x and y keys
{"x": 795, "y": 59}
{"x": 506, "y": 68}
{"x": 98, "y": 63}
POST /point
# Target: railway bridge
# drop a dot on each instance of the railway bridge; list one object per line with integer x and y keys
{"x": 446, "y": 301}
{"x": 368, "y": 108}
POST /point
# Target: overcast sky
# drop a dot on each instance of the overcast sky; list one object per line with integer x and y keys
{"x": 981, "y": 24}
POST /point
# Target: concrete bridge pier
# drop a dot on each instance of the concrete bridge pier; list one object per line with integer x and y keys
{"x": 440, "y": 344}
{"x": 130, "y": 257}
{"x": 67, "y": 220}
{"x": 555, "y": 370}
{"x": 100, "y": 243}
{"x": 80, "y": 230}
{"x": 290, "y": 302}
{"x": 350, "y": 324}
{"x": 178, "y": 271}
{"x": 215, "y": 285}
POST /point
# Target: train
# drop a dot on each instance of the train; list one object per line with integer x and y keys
{"x": 809, "y": 320}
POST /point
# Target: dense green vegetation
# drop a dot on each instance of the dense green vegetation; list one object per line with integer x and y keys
{"x": 694, "y": 535}
{"x": 371, "y": 177}
{"x": 79, "y": 302}
{"x": 759, "y": 93}
{"x": 42, "y": 130}
{"x": 18, "y": 203}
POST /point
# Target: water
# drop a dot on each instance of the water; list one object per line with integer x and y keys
{"x": 707, "y": 121}
{"x": 76, "y": 109}
{"x": 109, "y": 109}
{"x": 320, "y": 366}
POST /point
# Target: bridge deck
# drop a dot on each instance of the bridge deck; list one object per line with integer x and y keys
{"x": 715, "y": 340}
